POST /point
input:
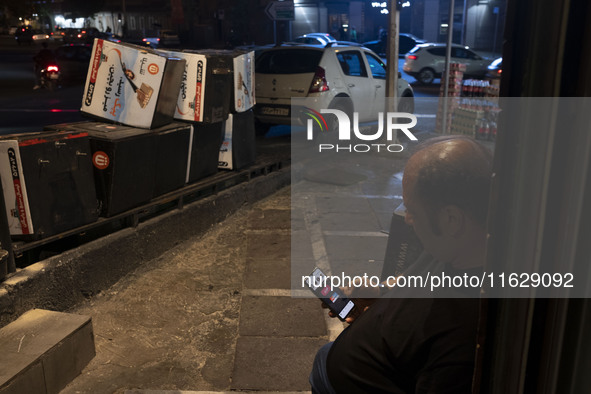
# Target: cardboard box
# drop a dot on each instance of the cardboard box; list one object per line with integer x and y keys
{"x": 47, "y": 182}
{"x": 243, "y": 72}
{"x": 205, "y": 95}
{"x": 242, "y": 69}
{"x": 238, "y": 149}
{"x": 131, "y": 85}
{"x": 206, "y": 88}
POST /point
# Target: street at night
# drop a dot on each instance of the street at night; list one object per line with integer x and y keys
{"x": 295, "y": 196}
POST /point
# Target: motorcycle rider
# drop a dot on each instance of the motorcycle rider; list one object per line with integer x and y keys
{"x": 42, "y": 59}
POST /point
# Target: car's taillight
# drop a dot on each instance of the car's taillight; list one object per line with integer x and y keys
{"x": 52, "y": 68}
{"x": 144, "y": 40}
{"x": 319, "y": 82}
{"x": 79, "y": 35}
{"x": 412, "y": 57}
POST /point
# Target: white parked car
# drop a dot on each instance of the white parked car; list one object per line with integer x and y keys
{"x": 335, "y": 75}
{"x": 425, "y": 62}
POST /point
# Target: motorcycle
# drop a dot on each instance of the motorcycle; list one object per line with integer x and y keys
{"x": 50, "y": 76}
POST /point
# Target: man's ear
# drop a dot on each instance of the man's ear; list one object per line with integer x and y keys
{"x": 452, "y": 221}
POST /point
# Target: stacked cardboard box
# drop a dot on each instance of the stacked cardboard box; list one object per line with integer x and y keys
{"x": 238, "y": 146}
{"x": 218, "y": 85}
{"x": 159, "y": 119}
{"x": 466, "y": 121}
{"x": 131, "y": 85}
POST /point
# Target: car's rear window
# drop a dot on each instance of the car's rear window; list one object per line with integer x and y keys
{"x": 289, "y": 61}
{"x": 437, "y": 51}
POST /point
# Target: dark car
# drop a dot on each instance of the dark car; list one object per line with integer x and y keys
{"x": 70, "y": 35}
{"x": 88, "y": 34}
{"x": 24, "y": 35}
{"x": 73, "y": 60}
{"x": 406, "y": 42}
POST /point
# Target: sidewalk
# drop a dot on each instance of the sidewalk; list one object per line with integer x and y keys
{"x": 212, "y": 314}
{"x": 216, "y": 314}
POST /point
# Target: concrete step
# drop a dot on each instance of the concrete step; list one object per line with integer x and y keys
{"x": 42, "y": 351}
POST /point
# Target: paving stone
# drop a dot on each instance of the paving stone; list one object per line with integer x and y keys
{"x": 337, "y": 203}
{"x": 298, "y": 221}
{"x": 299, "y": 268}
{"x": 61, "y": 344}
{"x": 267, "y": 274}
{"x": 281, "y": 317}
{"x": 360, "y": 248}
{"x": 268, "y": 246}
{"x": 280, "y": 364}
{"x": 22, "y": 375}
{"x": 301, "y": 245}
{"x": 348, "y": 221}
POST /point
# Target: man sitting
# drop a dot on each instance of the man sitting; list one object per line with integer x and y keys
{"x": 422, "y": 345}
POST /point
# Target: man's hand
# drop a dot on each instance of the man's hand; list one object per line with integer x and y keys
{"x": 363, "y": 298}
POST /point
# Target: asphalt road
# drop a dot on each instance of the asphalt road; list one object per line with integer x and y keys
{"x": 23, "y": 109}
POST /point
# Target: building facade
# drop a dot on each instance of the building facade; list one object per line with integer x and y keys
{"x": 476, "y": 23}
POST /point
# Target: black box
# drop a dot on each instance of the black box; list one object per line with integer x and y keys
{"x": 172, "y": 157}
{"x": 124, "y": 168}
{"x": 168, "y": 161}
{"x": 205, "y": 150}
{"x": 241, "y": 65}
{"x": 238, "y": 149}
{"x": 48, "y": 183}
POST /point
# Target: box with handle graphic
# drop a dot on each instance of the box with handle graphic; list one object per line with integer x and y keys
{"x": 131, "y": 85}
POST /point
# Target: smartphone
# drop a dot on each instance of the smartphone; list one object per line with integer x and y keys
{"x": 335, "y": 299}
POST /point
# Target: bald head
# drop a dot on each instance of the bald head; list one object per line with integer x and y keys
{"x": 451, "y": 171}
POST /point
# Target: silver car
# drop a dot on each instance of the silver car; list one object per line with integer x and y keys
{"x": 425, "y": 62}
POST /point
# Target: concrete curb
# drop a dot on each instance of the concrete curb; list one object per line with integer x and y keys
{"x": 62, "y": 281}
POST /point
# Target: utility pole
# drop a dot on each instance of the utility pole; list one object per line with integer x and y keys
{"x": 392, "y": 57}
{"x": 446, "y": 68}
